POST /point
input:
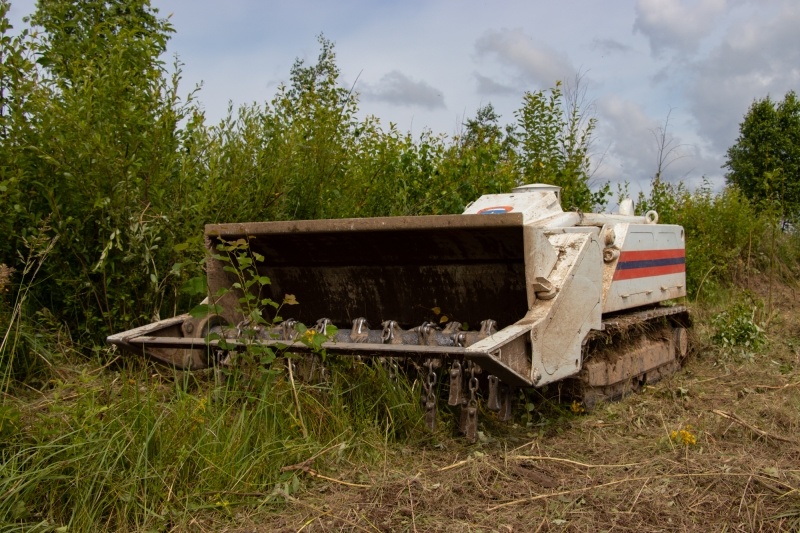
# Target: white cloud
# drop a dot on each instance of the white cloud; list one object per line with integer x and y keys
{"x": 398, "y": 89}
{"x": 756, "y": 58}
{"x": 677, "y": 24}
{"x": 636, "y": 146}
{"x": 531, "y": 62}
{"x": 631, "y": 152}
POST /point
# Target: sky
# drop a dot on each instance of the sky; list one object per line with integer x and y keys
{"x": 682, "y": 70}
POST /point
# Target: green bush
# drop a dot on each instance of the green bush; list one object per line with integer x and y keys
{"x": 736, "y": 331}
{"x": 728, "y": 238}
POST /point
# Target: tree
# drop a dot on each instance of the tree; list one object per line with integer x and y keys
{"x": 315, "y": 116}
{"x": 764, "y": 163}
{"x": 481, "y": 160}
{"x": 18, "y": 95}
{"x": 553, "y": 138}
{"x": 99, "y": 160}
{"x": 79, "y": 37}
{"x": 665, "y": 197}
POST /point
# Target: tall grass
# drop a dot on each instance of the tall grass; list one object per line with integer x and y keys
{"x": 129, "y": 451}
{"x": 21, "y": 346}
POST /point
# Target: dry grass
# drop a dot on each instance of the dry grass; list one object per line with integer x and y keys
{"x": 714, "y": 447}
{"x": 614, "y": 469}
{"x": 621, "y": 467}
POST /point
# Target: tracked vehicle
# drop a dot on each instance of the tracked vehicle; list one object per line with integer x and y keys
{"x": 513, "y": 293}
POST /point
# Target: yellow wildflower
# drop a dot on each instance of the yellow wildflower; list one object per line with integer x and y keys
{"x": 577, "y": 407}
{"x": 684, "y": 436}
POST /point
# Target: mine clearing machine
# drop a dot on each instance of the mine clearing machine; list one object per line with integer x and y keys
{"x": 515, "y": 292}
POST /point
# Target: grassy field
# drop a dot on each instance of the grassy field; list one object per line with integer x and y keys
{"x": 712, "y": 448}
{"x": 131, "y": 446}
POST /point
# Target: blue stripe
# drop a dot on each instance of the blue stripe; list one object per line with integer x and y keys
{"x": 624, "y": 265}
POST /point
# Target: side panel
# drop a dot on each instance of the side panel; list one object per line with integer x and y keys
{"x": 561, "y": 323}
{"x": 649, "y": 268}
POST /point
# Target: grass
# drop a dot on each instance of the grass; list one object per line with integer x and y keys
{"x": 128, "y": 446}
{"x": 134, "y": 447}
{"x": 131, "y": 450}
{"x": 713, "y": 447}
{"x": 21, "y": 350}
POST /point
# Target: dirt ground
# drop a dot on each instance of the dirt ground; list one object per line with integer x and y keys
{"x": 714, "y": 447}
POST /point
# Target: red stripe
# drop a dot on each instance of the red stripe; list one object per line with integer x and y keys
{"x": 642, "y": 255}
{"x": 647, "y": 272}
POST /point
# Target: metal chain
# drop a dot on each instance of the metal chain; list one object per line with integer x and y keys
{"x": 387, "y": 335}
{"x": 471, "y": 421}
{"x": 429, "y": 394}
{"x": 473, "y": 385}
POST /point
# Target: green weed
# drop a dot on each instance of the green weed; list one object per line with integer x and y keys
{"x": 736, "y": 330}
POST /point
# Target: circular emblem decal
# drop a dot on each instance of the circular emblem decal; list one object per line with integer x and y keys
{"x": 496, "y": 210}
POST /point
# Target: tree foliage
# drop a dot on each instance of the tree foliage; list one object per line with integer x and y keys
{"x": 764, "y": 163}
{"x": 553, "y": 139}
{"x": 96, "y": 150}
{"x": 482, "y": 160}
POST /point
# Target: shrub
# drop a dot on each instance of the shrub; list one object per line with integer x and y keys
{"x": 736, "y": 331}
